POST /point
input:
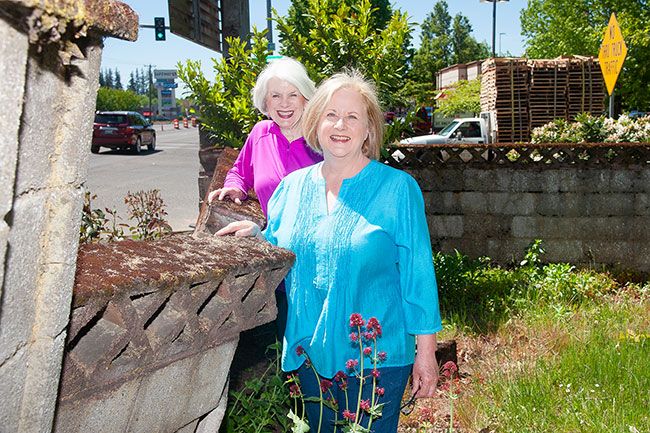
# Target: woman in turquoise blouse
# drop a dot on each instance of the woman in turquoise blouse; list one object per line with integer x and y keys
{"x": 359, "y": 233}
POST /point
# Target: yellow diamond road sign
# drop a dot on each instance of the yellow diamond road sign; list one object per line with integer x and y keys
{"x": 612, "y": 53}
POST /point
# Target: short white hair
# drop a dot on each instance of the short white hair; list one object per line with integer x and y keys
{"x": 287, "y": 69}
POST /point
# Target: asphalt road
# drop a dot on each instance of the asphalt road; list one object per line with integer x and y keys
{"x": 172, "y": 168}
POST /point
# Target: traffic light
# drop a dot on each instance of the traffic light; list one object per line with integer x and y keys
{"x": 159, "y": 27}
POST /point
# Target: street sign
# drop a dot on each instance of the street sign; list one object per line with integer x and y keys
{"x": 209, "y": 22}
{"x": 167, "y": 74}
{"x": 612, "y": 53}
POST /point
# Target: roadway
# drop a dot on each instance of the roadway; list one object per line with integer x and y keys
{"x": 172, "y": 168}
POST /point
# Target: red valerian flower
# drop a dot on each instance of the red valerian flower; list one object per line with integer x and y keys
{"x": 356, "y": 320}
{"x": 379, "y": 391}
{"x": 367, "y": 351}
{"x": 294, "y": 390}
{"x": 325, "y": 385}
{"x": 365, "y": 405}
{"x": 381, "y": 356}
{"x": 374, "y": 326}
{"x": 350, "y": 364}
{"x": 300, "y": 350}
{"x": 369, "y": 336}
{"x": 451, "y": 366}
{"x": 349, "y": 415}
{"x": 354, "y": 336}
{"x": 375, "y": 373}
{"x": 340, "y": 376}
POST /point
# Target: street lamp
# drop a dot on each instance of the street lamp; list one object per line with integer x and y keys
{"x": 500, "y": 34}
{"x": 494, "y": 21}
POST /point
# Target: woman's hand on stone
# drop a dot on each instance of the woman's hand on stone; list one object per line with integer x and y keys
{"x": 235, "y": 194}
{"x": 241, "y": 228}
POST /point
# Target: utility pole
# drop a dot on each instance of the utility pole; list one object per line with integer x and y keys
{"x": 269, "y": 27}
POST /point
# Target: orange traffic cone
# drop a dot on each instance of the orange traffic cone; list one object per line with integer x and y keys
{"x": 175, "y": 122}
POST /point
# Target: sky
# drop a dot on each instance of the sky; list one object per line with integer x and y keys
{"x": 128, "y": 56}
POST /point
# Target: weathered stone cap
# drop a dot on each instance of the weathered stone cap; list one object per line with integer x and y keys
{"x": 105, "y": 17}
{"x": 103, "y": 270}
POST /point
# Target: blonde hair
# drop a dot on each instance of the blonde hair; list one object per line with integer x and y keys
{"x": 287, "y": 69}
{"x": 351, "y": 79}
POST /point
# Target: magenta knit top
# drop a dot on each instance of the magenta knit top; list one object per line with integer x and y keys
{"x": 266, "y": 158}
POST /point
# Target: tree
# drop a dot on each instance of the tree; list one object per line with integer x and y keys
{"x": 575, "y": 27}
{"x": 444, "y": 42}
{"x": 464, "y": 47}
{"x": 350, "y": 37}
{"x": 118, "y": 80}
{"x": 108, "y": 78}
{"x": 132, "y": 85}
{"x": 102, "y": 80}
{"x": 225, "y": 106}
{"x": 114, "y": 99}
{"x": 462, "y": 97}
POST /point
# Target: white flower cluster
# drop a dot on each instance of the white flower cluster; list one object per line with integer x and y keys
{"x": 593, "y": 129}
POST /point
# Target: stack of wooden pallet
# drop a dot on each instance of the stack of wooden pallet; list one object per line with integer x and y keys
{"x": 504, "y": 93}
{"x": 523, "y": 94}
{"x": 586, "y": 88}
{"x": 548, "y": 91}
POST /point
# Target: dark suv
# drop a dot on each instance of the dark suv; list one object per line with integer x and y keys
{"x": 122, "y": 130}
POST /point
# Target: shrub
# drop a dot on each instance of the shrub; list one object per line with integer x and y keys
{"x": 146, "y": 208}
{"x": 594, "y": 129}
{"x": 225, "y": 105}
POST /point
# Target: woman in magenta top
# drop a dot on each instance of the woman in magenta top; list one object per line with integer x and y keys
{"x": 275, "y": 147}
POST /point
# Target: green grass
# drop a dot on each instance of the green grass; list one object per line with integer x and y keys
{"x": 574, "y": 346}
{"x": 598, "y": 381}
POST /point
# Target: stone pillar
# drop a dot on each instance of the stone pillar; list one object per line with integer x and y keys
{"x": 50, "y": 58}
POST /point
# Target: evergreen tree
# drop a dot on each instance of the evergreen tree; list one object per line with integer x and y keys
{"x": 102, "y": 80}
{"x": 132, "y": 86}
{"x": 142, "y": 82}
{"x": 108, "y": 78}
{"x": 465, "y": 48}
{"x": 118, "y": 80}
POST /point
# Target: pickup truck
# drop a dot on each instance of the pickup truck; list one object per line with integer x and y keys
{"x": 464, "y": 130}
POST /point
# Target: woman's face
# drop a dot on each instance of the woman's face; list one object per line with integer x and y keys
{"x": 343, "y": 125}
{"x": 284, "y": 103}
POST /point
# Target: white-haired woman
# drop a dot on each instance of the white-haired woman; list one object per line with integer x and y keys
{"x": 275, "y": 147}
{"x": 360, "y": 236}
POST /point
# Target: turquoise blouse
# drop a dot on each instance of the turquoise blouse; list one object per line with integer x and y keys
{"x": 371, "y": 255}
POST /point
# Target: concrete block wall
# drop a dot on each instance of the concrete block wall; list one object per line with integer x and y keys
{"x": 583, "y": 213}
{"x": 50, "y": 68}
{"x": 154, "y": 328}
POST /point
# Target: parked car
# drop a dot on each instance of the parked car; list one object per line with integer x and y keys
{"x": 122, "y": 130}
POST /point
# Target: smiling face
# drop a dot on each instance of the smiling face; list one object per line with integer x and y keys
{"x": 284, "y": 103}
{"x": 343, "y": 125}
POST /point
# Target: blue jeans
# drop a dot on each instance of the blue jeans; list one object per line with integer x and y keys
{"x": 392, "y": 379}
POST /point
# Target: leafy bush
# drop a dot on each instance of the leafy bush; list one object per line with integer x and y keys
{"x": 349, "y": 34}
{"x": 261, "y": 405}
{"x": 479, "y": 296}
{"x": 463, "y": 97}
{"x": 594, "y": 129}
{"x": 115, "y": 99}
{"x": 146, "y": 208}
{"x": 225, "y": 105}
